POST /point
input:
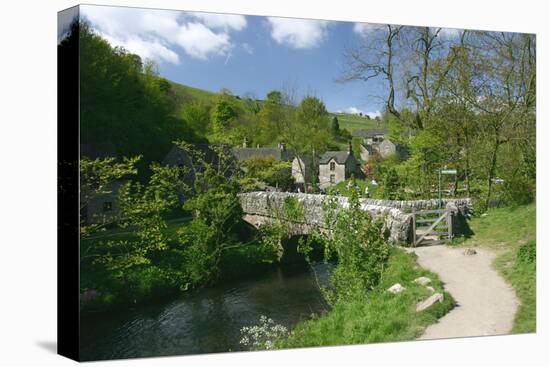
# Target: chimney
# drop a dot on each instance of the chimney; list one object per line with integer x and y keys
{"x": 350, "y": 148}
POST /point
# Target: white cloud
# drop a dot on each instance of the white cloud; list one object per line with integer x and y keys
{"x": 449, "y": 33}
{"x": 356, "y": 111}
{"x": 298, "y": 33}
{"x": 364, "y": 29}
{"x": 155, "y": 34}
{"x": 222, "y": 21}
{"x": 200, "y": 42}
{"x": 146, "y": 49}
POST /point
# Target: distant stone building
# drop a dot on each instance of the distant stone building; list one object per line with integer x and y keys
{"x": 337, "y": 166}
{"x": 374, "y": 141}
{"x": 178, "y": 157}
{"x": 280, "y": 153}
{"x": 99, "y": 208}
{"x": 370, "y": 136}
{"x": 300, "y": 165}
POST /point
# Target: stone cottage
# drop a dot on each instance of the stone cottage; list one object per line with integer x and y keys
{"x": 300, "y": 165}
{"x": 337, "y": 166}
{"x": 280, "y": 153}
{"x": 375, "y": 141}
{"x": 98, "y": 208}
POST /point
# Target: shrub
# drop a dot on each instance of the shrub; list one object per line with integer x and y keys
{"x": 527, "y": 253}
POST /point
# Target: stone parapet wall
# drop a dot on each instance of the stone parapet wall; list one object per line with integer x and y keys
{"x": 463, "y": 204}
{"x": 395, "y": 214}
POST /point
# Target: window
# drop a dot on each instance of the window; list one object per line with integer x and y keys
{"x": 107, "y": 206}
{"x": 332, "y": 166}
{"x": 332, "y": 179}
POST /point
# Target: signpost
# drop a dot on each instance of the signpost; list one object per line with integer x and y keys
{"x": 444, "y": 171}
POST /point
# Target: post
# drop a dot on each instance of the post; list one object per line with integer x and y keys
{"x": 414, "y": 226}
{"x": 449, "y": 224}
{"x": 439, "y": 186}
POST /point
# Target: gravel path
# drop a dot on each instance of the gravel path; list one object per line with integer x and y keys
{"x": 486, "y": 304}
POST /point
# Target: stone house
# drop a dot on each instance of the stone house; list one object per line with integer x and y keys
{"x": 280, "y": 153}
{"x": 99, "y": 208}
{"x": 370, "y": 136}
{"x": 300, "y": 165}
{"x": 180, "y": 158}
{"x": 375, "y": 141}
{"x": 337, "y": 166}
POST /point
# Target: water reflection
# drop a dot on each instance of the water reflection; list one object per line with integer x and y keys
{"x": 206, "y": 321}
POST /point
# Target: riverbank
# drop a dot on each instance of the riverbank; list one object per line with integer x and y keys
{"x": 378, "y": 315}
{"x": 159, "y": 281}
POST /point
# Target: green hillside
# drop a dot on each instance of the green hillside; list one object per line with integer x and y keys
{"x": 352, "y": 122}
{"x": 186, "y": 93}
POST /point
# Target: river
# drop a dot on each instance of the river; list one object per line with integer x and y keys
{"x": 208, "y": 320}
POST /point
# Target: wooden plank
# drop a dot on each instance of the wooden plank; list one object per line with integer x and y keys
{"x": 442, "y": 225}
{"x": 431, "y": 211}
{"x": 432, "y": 227}
{"x": 426, "y": 220}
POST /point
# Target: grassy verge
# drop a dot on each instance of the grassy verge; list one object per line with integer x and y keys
{"x": 511, "y": 232}
{"x": 377, "y": 316}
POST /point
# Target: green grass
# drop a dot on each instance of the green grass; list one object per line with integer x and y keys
{"x": 507, "y": 231}
{"x": 186, "y": 92}
{"x": 377, "y": 316}
{"x": 342, "y": 188}
{"x": 352, "y": 122}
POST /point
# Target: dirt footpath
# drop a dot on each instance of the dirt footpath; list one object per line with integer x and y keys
{"x": 486, "y": 304}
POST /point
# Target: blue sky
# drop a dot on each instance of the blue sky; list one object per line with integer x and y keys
{"x": 246, "y": 54}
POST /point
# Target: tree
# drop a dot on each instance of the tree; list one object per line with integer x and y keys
{"x": 272, "y": 117}
{"x": 335, "y": 126}
{"x": 266, "y": 171}
{"x": 196, "y": 114}
{"x": 308, "y": 132}
{"x": 123, "y": 101}
{"x": 223, "y": 112}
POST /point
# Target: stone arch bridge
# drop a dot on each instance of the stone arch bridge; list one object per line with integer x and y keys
{"x": 261, "y": 207}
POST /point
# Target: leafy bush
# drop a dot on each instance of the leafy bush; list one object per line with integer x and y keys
{"x": 527, "y": 253}
{"x": 357, "y": 244}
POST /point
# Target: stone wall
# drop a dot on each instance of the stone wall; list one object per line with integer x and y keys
{"x": 396, "y": 214}
{"x": 464, "y": 205}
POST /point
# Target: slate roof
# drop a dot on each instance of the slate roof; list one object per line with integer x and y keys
{"x": 369, "y": 133}
{"x": 339, "y": 156}
{"x": 279, "y": 154}
{"x": 178, "y": 156}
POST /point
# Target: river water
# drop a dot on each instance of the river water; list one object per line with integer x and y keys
{"x": 208, "y": 320}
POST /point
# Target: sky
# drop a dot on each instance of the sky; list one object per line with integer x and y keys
{"x": 249, "y": 55}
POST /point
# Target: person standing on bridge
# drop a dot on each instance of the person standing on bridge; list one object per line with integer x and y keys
{"x": 366, "y": 192}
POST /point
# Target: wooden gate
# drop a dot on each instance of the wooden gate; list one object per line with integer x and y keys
{"x": 432, "y": 227}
